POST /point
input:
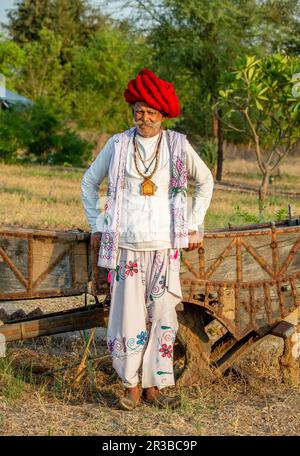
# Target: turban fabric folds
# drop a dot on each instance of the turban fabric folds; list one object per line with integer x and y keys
{"x": 155, "y": 92}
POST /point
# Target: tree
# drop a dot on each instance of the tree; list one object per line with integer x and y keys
{"x": 76, "y": 58}
{"x": 12, "y": 59}
{"x": 11, "y": 123}
{"x": 74, "y": 21}
{"x": 261, "y": 94}
{"x": 42, "y": 73}
{"x": 195, "y": 41}
{"x": 284, "y": 15}
{"x": 100, "y": 73}
{"x": 38, "y": 134}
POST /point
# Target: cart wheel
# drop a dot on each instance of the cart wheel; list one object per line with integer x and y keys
{"x": 198, "y": 358}
{"x": 192, "y": 348}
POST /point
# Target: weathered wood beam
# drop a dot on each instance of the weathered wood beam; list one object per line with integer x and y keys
{"x": 47, "y": 325}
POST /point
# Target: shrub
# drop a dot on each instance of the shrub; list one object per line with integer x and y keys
{"x": 40, "y": 132}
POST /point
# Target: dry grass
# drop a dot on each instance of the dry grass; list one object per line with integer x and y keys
{"x": 253, "y": 403}
{"x": 47, "y": 197}
{"x": 244, "y": 171}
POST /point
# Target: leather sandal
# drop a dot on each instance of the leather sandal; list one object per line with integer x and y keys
{"x": 164, "y": 402}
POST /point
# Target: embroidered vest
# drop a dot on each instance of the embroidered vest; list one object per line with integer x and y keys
{"x": 113, "y": 206}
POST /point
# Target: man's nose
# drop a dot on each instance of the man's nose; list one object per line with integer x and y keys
{"x": 145, "y": 116}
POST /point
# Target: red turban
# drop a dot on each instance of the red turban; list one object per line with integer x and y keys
{"x": 155, "y": 92}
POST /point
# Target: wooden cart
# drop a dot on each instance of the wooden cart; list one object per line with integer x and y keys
{"x": 243, "y": 284}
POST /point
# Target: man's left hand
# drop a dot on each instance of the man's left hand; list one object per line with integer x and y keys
{"x": 195, "y": 241}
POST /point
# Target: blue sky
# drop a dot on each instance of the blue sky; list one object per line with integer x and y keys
{"x": 5, "y": 4}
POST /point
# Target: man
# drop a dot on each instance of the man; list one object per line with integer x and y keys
{"x": 140, "y": 234}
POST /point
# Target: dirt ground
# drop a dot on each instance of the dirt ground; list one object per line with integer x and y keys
{"x": 35, "y": 400}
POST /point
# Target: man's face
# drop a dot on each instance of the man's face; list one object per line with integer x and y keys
{"x": 147, "y": 120}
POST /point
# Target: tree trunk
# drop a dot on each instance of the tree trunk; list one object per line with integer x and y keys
{"x": 262, "y": 194}
{"x": 220, "y": 147}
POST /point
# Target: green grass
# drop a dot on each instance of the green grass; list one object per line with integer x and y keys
{"x": 47, "y": 171}
{"x": 11, "y": 381}
{"x": 243, "y": 210}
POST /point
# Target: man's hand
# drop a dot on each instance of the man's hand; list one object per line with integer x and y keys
{"x": 96, "y": 240}
{"x": 195, "y": 241}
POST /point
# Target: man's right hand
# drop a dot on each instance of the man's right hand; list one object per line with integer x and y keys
{"x": 96, "y": 240}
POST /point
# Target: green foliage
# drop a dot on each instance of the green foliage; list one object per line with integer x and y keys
{"x": 195, "y": 41}
{"x": 245, "y": 216}
{"x": 12, "y": 58}
{"x": 43, "y": 74}
{"x": 282, "y": 214}
{"x": 38, "y": 134}
{"x": 100, "y": 73}
{"x": 193, "y": 44}
{"x": 260, "y": 91}
{"x": 208, "y": 151}
{"x": 75, "y": 21}
{"x": 12, "y": 130}
{"x": 284, "y": 16}
{"x": 75, "y": 59}
{"x": 69, "y": 150}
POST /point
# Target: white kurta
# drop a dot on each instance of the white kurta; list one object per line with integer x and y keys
{"x": 146, "y": 220}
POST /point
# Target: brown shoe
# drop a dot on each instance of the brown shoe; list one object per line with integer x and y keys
{"x": 127, "y": 402}
{"x": 164, "y": 402}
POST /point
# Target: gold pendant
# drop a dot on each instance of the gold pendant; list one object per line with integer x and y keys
{"x": 147, "y": 187}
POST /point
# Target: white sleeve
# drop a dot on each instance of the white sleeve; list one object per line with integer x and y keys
{"x": 203, "y": 181}
{"x": 90, "y": 183}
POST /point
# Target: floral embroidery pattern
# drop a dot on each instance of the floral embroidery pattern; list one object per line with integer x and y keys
{"x": 158, "y": 289}
{"x": 131, "y": 268}
{"x": 142, "y": 338}
{"x": 111, "y": 345}
{"x": 121, "y": 346}
{"x": 168, "y": 335}
{"x": 179, "y": 177}
{"x": 124, "y": 270}
{"x": 175, "y": 260}
{"x": 175, "y": 256}
{"x": 108, "y": 251}
{"x": 159, "y": 279}
{"x": 166, "y": 350}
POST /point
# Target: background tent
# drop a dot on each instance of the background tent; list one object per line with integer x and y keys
{"x": 8, "y": 98}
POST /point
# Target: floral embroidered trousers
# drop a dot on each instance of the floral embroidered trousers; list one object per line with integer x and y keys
{"x": 145, "y": 288}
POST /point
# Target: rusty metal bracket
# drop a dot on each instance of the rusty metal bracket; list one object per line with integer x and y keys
{"x": 283, "y": 330}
